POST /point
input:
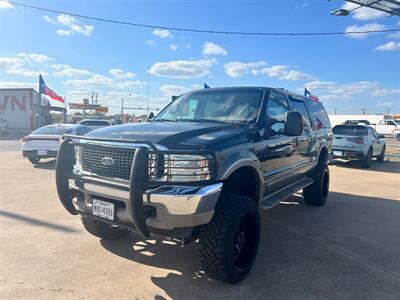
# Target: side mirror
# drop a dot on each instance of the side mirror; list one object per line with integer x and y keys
{"x": 150, "y": 116}
{"x": 294, "y": 124}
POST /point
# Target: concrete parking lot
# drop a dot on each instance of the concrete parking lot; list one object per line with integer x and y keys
{"x": 348, "y": 249}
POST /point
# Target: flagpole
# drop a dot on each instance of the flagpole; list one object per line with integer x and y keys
{"x": 39, "y": 111}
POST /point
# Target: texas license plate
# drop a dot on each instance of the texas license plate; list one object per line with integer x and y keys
{"x": 42, "y": 152}
{"x": 337, "y": 153}
{"x": 103, "y": 209}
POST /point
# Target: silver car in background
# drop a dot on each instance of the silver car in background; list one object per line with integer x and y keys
{"x": 358, "y": 142}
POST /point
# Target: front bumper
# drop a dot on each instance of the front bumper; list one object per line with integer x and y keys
{"x": 175, "y": 206}
{"x": 138, "y": 204}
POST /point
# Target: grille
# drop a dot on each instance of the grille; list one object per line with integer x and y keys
{"x": 92, "y": 155}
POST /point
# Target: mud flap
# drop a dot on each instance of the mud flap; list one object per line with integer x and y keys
{"x": 64, "y": 165}
{"x": 138, "y": 185}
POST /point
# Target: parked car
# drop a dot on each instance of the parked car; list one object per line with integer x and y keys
{"x": 386, "y": 127}
{"x": 396, "y": 134}
{"x": 95, "y": 123}
{"x": 201, "y": 170}
{"x": 358, "y": 142}
{"x": 3, "y": 126}
{"x": 45, "y": 141}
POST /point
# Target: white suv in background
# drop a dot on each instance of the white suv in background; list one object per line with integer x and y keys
{"x": 359, "y": 142}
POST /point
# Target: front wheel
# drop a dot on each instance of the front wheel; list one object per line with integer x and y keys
{"x": 228, "y": 244}
{"x": 103, "y": 230}
{"x": 34, "y": 160}
{"x": 381, "y": 157}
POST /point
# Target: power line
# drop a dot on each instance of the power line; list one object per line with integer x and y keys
{"x": 200, "y": 30}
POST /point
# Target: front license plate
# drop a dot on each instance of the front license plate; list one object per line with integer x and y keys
{"x": 337, "y": 153}
{"x": 103, "y": 209}
{"x": 42, "y": 152}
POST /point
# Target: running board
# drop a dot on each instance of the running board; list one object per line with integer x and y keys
{"x": 287, "y": 191}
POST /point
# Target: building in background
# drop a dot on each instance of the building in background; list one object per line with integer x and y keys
{"x": 23, "y": 112}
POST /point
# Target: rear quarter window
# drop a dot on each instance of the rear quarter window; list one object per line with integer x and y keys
{"x": 318, "y": 113}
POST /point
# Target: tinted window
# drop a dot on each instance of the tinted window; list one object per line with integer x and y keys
{"x": 95, "y": 123}
{"x": 276, "y": 113}
{"x": 319, "y": 113}
{"x": 301, "y": 108}
{"x": 219, "y": 106}
{"x": 57, "y": 130}
{"x": 82, "y": 130}
{"x": 349, "y": 130}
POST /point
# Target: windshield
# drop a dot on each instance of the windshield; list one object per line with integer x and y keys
{"x": 230, "y": 106}
{"x": 397, "y": 122}
{"x": 56, "y": 130}
{"x": 350, "y": 130}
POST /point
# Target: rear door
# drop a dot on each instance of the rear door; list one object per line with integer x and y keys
{"x": 278, "y": 156}
{"x": 306, "y": 150}
{"x": 376, "y": 141}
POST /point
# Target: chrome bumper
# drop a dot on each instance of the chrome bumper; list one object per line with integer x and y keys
{"x": 176, "y": 206}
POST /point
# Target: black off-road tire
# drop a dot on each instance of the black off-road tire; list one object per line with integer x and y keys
{"x": 366, "y": 162}
{"x": 316, "y": 194}
{"x": 103, "y": 230}
{"x": 381, "y": 157}
{"x": 34, "y": 160}
{"x": 228, "y": 244}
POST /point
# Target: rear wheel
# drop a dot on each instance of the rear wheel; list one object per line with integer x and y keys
{"x": 34, "y": 160}
{"x": 103, "y": 230}
{"x": 366, "y": 162}
{"x": 228, "y": 244}
{"x": 316, "y": 194}
{"x": 381, "y": 157}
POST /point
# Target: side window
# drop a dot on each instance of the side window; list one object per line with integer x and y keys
{"x": 276, "y": 113}
{"x": 300, "y": 107}
{"x": 318, "y": 113}
{"x": 391, "y": 123}
{"x": 374, "y": 132}
{"x": 370, "y": 132}
{"x": 381, "y": 122}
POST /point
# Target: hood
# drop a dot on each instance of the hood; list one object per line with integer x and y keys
{"x": 178, "y": 135}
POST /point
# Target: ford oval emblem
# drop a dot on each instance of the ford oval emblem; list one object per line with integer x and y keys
{"x": 107, "y": 161}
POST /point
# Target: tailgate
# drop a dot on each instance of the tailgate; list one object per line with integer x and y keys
{"x": 348, "y": 142}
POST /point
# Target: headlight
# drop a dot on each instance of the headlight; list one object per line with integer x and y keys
{"x": 180, "y": 167}
{"x": 78, "y": 162}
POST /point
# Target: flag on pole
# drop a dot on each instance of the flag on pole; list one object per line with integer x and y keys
{"x": 309, "y": 95}
{"x": 45, "y": 90}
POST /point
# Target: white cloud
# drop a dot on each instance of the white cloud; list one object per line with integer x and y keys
{"x": 118, "y": 73}
{"x": 162, "y": 33}
{"x": 129, "y": 84}
{"x": 10, "y": 62}
{"x": 39, "y": 58}
{"x": 386, "y": 92}
{"x": 389, "y": 46}
{"x": 49, "y": 20}
{"x": 296, "y": 75}
{"x": 173, "y": 90}
{"x": 275, "y": 71}
{"x": 70, "y": 25}
{"x": 237, "y": 68}
{"x": 26, "y": 72}
{"x": 333, "y": 91}
{"x": 67, "y": 71}
{"x": 394, "y": 35}
{"x": 362, "y": 28}
{"x": 182, "y": 69}
{"x": 6, "y": 5}
{"x": 364, "y": 13}
{"x": 210, "y": 49}
{"x": 173, "y": 47}
{"x": 18, "y": 84}
{"x": 64, "y": 32}
{"x": 95, "y": 80}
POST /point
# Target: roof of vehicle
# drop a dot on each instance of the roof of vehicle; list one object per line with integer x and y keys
{"x": 297, "y": 96}
{"x": 65, "y": 125}
{"x": 352, "y": 125}
{"x": 100, "y": 120}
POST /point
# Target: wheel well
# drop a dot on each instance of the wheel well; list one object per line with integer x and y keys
{"x": 244, "y": 181}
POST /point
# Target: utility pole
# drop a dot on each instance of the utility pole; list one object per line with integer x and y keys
{"x": 122, "y": 108}
{"x": 335, "y": 110}
{"x": 148, "y": 91}
{"x": 364, "y": 111}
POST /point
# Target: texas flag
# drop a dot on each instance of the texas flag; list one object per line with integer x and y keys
{"x": 44, "y": 89}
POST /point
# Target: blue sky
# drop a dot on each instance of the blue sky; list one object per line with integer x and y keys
{"x": 77, "y": 56}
